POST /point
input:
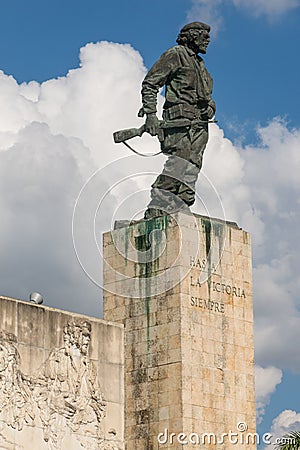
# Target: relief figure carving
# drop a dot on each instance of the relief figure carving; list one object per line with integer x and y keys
{"x": 64, "y": 396}
{"x": 68, "y": 393}
{"x": 16, "y": 401}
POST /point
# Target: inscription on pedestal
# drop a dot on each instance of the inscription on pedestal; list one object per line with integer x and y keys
{"x": 225, "y": 289}
{"x": 208, "y": 304}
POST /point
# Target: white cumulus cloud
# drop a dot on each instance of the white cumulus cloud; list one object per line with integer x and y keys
{"x": 266, "y": 381}
{"x": 53, "y": 136}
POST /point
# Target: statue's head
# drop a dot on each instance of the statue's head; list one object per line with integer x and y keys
{"x": 195, "y": 35}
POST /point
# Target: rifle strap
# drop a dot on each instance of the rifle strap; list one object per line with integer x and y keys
{"x": 145, "y": 155}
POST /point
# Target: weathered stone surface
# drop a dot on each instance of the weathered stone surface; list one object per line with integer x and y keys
{"x": 61, "y": 379}
{"x": 184, "y": 294}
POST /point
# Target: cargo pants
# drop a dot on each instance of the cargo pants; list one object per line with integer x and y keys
{"x": 174, "y": 188}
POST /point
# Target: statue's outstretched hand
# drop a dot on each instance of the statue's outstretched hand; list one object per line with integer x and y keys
{"x": 152, "y": 124}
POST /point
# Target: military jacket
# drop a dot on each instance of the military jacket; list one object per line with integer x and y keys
{"x": 188, "y": 85}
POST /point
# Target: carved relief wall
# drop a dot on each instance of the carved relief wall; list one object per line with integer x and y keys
{"x": 61, "y": 380}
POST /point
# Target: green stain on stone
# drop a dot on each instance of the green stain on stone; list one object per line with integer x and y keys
{"x": 219, "y": 232}
{"x": 143, "y": 244}
{"x": 212, "y": 229}
{"x": 147, "y": 270}
{"x": 206, "y": 226}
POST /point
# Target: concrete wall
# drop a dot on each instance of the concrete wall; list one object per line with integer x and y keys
{"x": 61, "y": 379}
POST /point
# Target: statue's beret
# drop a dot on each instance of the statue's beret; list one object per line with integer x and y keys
{"x": 195, "y": 26}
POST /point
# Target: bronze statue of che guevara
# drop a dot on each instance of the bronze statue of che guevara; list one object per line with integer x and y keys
{"x": 187, "y": 110}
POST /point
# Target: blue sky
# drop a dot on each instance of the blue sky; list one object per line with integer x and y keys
{"x": 252, "y": 59}
{"x": 59, "y": 106}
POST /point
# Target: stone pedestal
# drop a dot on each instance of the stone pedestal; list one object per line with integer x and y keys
{"x": 182, "y": 287}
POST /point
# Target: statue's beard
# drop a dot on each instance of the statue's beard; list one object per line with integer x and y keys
{"x": 197, "y": 48}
